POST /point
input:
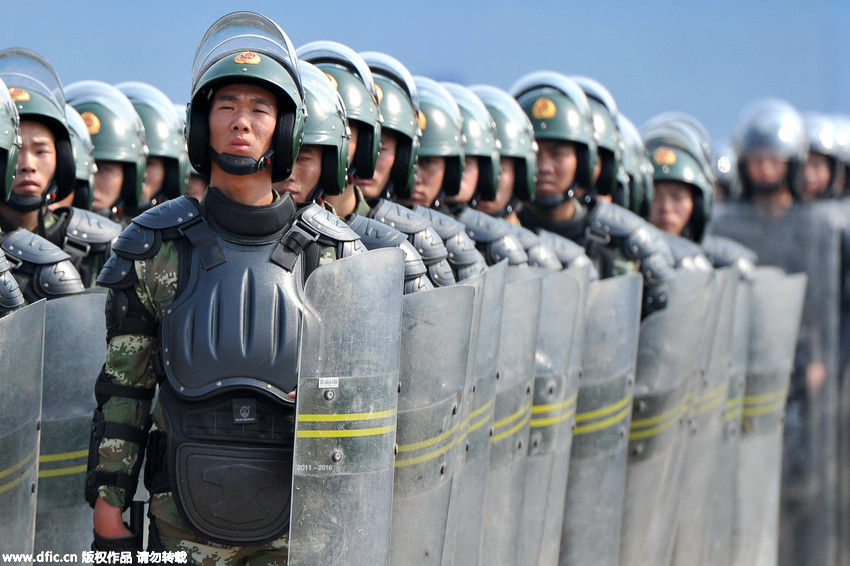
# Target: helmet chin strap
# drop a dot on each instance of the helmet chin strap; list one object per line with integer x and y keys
{"x": 241, "y": 165}
{"x": 765, "y": 188}
{"x": 29, "y": 203}
{"x": 554, "y": 201}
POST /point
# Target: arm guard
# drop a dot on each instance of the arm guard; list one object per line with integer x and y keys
{"x": 11, "y": 297}
{"x": 540, "y": 254}
{"x": 494, "y": 237}
{"x": 616, "y": 227}
{"x": 46, "y": 270}
{"x": 723, "y": 252}
{"x": 464, "y": 258}
{"x": 569, "y": 253}
{"x": 687, "y": 255}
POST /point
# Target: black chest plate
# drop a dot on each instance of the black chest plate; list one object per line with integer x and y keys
{"x": 236, "y": 325}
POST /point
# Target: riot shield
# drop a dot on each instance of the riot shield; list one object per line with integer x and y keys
{"x": 805, "y": 238}
{"x": 710, "y": 392}
{"x": 723, "y": 513}
{"x": 346, "y": 412}
{"x": 552, "y": 414}
{"x": 511, "y": 417}
{"x": 777, "y": 304}
{"x": 75, "y": 335}
{"x": 667, "y": 357}
{"x": 477, "y": 412}
{"x": 597, "y": 471}
{"x": 435, "y": 340}
{"x": 21, "y": 351}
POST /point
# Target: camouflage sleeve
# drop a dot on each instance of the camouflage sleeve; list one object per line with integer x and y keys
{"x": 128, "y": 363}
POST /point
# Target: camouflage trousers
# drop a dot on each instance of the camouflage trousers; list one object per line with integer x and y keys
{"x": 176, "y": 535}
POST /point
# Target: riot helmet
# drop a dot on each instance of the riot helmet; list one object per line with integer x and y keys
{"x": 633, "y": 194}
{"x": 482, "y": 142}
{"x": 724, "y": 164}
{"x": 327, "y": 129}
{"x": 351, "y": 76}
{"x": 842, "y": 140}
{"x": 83, "y": 158}
{"x": 244, "y": 47}
{"x": 37, "y": 93}
{"x": 678, "y": 154}
{"x": 824, "y": 159}
{"x": 559, "y": 110}
{"x": 608, "y": 137}
{"x": 774, "y": 128}
{"x": 164, "y": 134}
{"x": 399, "y": 102}
{"x": 118, "y": 136}
{"x": 10, "y": 140}
{"x": 516, "y": 137}
{"x": 441, "y": 123}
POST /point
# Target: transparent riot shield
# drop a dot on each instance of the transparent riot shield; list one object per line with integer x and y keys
{"x": 597, "y": 471}
{"x": 21, "y": 352}
{"x": 667, "y": 357}
{"x": 706, "y": 430}
{"x": 723, "y": 512}
{"x": 434, "y": 354}
{"x": 805, "y": 238}
{"x": 777, "y": 303}
{"x": 477, "y": 411}
{"x": 75, "y": 336}
{"x": 511, "y": 417}
{"x": 552, "y": 414}
{"x": 346, "y": 412}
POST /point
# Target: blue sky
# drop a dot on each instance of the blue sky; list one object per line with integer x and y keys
{"x": 705, "y": 58}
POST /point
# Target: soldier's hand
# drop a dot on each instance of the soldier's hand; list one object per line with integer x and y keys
{"x": 815, "y": 376}
{"x": 291, "y": 394}
{"x": 108, "y": 522}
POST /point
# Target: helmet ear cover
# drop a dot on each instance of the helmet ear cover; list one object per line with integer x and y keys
{"x": 329, "y": 177}
{"x": 452, "y": 176}
{"x": 487, "y": 185}
{"x": 284, "y": 144}
{"x": 405, "y": 166}
{"x": 363, "y": 165}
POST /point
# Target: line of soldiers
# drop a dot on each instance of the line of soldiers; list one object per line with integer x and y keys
{"x": 357, "y": 316}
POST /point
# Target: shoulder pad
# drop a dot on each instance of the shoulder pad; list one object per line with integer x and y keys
{"x": 569, "y": 253}
{"x": 376, "y": 234}
{"x": 325, "y": 223}
{"x": 170, "y": 214}
{"x": 116, "y": 273}
{"x": 539, "y": 253}
{"x": 687, "y": 255}
{"x": 10, "y": 294}
{"x": 24, "y": 246}
{"x": 87, "y": 228}
{"x": 58, "y": 280}
{"x": 507, "y": 247}
{"x": 414, "y": 268}
{"x": 402, "y": 219}
{"x": 464, "y": 256}
{"x": 137, "y": 242}
{"x": 724, "y": 251}
{"x": 440, "y": 273}
{"x": 482, "y": 227}
{"x": 613, "y": 221}
{"x": 445, "y": 225}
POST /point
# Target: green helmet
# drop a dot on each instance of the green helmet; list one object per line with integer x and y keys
{"x": 351, "y": 76}
{"x": 37, "y": 92}
{"x": 441, "y": 122}
{"x": 678, "y": 154}
{"x": 164, "y": 133}
{"x": 83, "y": 157}
{"x": 559, "y": 110}
{"x": 607, "y": 135}
{"x": 117, "y": 133}
{"x": 515, "y": 134}
{"x": 399, "y": 101}
{"x": 482, "y": 141}
{"x": 773, "y": 126}
{"x": 10, "y": 141}
{"x": 633, "y": 194}
{"x": 244, "y": 47}
{"x": 326, "y": 126}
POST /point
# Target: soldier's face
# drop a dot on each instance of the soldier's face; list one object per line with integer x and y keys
{"x": 816, "y": 175}
{"x": 766, "y": 168}
{"x": 154, "y": 176}
{"x": 557, "y": 162}
{"x": 107, "y": 184}
{"x": 468, "y": 181}
{"x": 36, "y": 159}
{"x": 305, "y": 173}
{"x": 374, "y": 187}
{"x": 506, "y": 189}
{"x": 242, "y": 120}
{"x": 672, "y": 207}
{"x": 429, "y": 179}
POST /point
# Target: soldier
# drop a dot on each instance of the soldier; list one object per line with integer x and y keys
{"x": 820, "y": 175}
{"x": 166, "y": 171}
{"x": 120, "y": 148}
{"x": 46, "y": 170}
{"x": 636, "y": 189}
{"x": 244, "y": 130}
{"x": 616, "y": 239}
